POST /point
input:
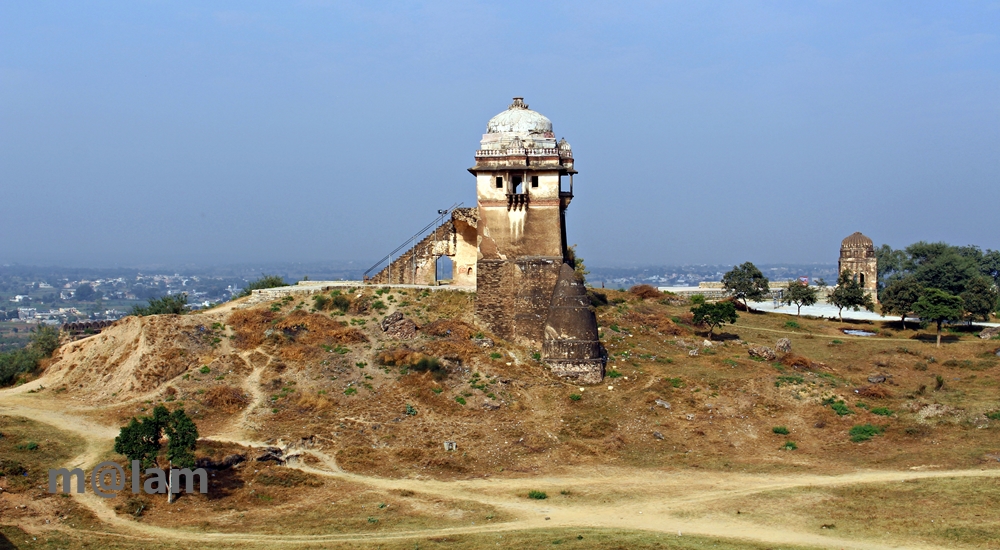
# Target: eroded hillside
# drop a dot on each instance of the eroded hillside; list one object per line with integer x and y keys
{"x": 384, "y": 403}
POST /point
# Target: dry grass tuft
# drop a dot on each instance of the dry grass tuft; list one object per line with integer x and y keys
{"x": 314, "y": 402}
{"x": 226, "y": 398}
{"x": 249, "y": 326}
{"x": 645, "y": 291}
{"x": 874, "y": 392}
{"x": 796, "y": 361}
{"x": 448, "y": 328}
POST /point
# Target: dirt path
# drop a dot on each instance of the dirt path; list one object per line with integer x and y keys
{"x": 610, "y": 498}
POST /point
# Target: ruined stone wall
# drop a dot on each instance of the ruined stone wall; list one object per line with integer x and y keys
{"x": 455, "y": 238}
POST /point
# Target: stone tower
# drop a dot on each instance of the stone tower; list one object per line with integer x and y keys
{"x": 524, "y": 183}
{"x": 857, "y": 253}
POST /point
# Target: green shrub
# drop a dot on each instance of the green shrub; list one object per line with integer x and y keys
{"x": 167, "y": 305}
{"x": 675, "y": 382}
{"x": 536, "y": 356}
{"x": 837, "y": 342}
{"x": 537, "y": 495}
{"x": 791, "y": 324}
{"x": 864, "y": 432}
{"x": 614, "y": 327}
{"x": 882, "y": 411}
{"x": 460, "y": 400}
{"x": 13, "y": 364}
{"x": 378, "y": 305}
{"x": 995, "y": 415}
{"x": 321, "y": 302}
{"x": 495, "y": 355}
{"x": 575, "y": 397}
{"x": 266, "y": 281}
{"x": 204, "y": 369}
{"x": 411, "y": 410}
{"x": 841, "y": 408}
{"x": 351, "y": 391}
{"x": 789, "y": 446}
{"x": 614, "y": 374}
{"x": 780, "y": 430}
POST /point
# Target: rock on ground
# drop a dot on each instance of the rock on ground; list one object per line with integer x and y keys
{"x": 784, "y": 345}
{"x": 762, "y": 352}
{"x": 988, "y": 333}
{"x": 397, "y": 327}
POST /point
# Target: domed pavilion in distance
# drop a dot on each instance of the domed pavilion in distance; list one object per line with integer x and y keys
{"x": 857, "y": 254}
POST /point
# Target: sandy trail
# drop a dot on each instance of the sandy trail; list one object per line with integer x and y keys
{"x": 610, "y": 498}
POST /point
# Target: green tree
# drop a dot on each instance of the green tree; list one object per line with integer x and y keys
{"x": 43, "y": 342}
{"x": 890, "y": 265}
{"x": 979, "y": 299}
{"x": 266, "y": 281}
{"x": 84, "y": 293}
{"x": 715, "y": 315}
{"x": 139, "y": 440}
{"x": 800, "y": 294}
{"x": 746, "y": 282}
{"x": 850, "y": 294}
{"x": 942, "y": 266}
{"x": 165, "y": 305}
{"x": 938, "y": 306}
{"x": 898, "y": 298}
{"x": 182, "y": 437}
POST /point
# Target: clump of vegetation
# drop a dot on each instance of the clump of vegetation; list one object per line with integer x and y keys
{"x": 614, "y": 374}
{"x": 226, "y": 398}
{"x": 14, "y": 364}
{"x": 645, "y": 291}
{"x": 537, "y": 495}
{"x": 841, "y": 408}
{"x": 266, "y": 281}
{"x": 789, "y": 446}
{"x": 715, "y": 315}
{"x": 780, "y": 430}
{"x": 460, "y": 400}
{"x": 575, "y": 397}
{"x": 411, "y": 410}
{"x": 864, "y": 432}
{"x": 881, "y": 411}
{"x": 166, "y": 305}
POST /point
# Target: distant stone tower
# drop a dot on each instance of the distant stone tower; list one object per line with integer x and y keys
{"x": 857, "y": 253}
{"x": 522, "y": 243}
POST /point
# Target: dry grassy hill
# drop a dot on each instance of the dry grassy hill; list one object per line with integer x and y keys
{"x": 330, "y": 386}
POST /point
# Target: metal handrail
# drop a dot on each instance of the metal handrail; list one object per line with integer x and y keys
{"x": 412, "y": 240}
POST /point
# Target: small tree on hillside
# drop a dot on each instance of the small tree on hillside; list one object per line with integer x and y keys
{"x": 850, "y": 294}
{"x": 715, "y": 315}
{"x": 979, "y": 299}
{"x": 182, "y": 437}
{"x": 746, "y": 282}
{"x": 938, "y": 306}
{"x": 800, "y": 294}
{"x": 898, "y": 298}
{"x": 140, "y": 440}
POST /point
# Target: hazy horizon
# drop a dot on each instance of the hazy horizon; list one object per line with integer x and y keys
{"x": 252, "y": 133}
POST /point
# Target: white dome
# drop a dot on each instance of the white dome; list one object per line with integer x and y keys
{"x": 519, "y": 119}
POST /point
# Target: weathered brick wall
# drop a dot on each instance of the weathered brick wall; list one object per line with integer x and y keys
{"x": 495, "y": 297}
{"x": 535, "y": 279}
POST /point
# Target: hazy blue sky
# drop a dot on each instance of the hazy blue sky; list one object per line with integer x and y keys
{"x": 704, "y": 132}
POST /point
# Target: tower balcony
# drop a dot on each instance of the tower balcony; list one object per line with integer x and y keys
{"x": 517, "y": 201}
